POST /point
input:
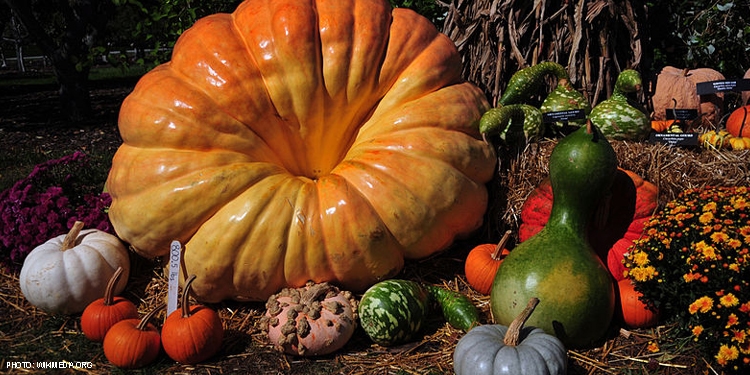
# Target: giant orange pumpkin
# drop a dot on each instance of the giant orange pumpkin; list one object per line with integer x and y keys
{"x": 295, "y": 141}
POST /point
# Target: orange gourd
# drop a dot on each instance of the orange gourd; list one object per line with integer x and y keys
{"x": 191, "y": 334}
{"x": 676, "y": 88}
{"x": 100, "y": 315}
{"x": 482, "y": 263}
{"x": 133, "y": 343}
{"x": 635, "y": 313}
{"x": 294, "y": 141}
{"x": 738, "y": 123}
{"x": 661, "y": 126}
{"x": 619, "y": 221}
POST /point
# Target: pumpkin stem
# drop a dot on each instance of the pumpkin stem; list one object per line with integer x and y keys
{"x": 110, "y": 291}
{"x": 144, "y": 321}
{"x": 589, "y": 127}
{"x": 70, "y": 239}
{"x": 185, "y": 297}
{"x": 500, "y": 245}
{"x": 512, "y": 336}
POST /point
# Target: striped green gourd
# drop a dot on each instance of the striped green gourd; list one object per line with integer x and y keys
{"x": 616, "y": 117}
{"x": 564, "y": 98}
{"x": 392, "y": 312}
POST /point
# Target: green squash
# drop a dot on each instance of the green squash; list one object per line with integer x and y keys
{"x": 528, "y": 81}
{"x": 393, "y": 312}
{"x": 564, "y": 98}
{"x": 558, "y": 264}
{"x": 617, "y": 117}
{"x": 515, "y": 123}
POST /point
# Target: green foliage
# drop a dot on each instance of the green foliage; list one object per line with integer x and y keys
{"x": 428, "y": 8}
{"x": 702, "y": 33}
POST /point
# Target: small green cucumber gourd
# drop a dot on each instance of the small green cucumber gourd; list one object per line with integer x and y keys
{"x": 392, "y": 312}
{"x": 558, "y": 264}
{"x": 616, "y": 117}
{"x": 495, "y": 349}
{"x": 457, "y": 309}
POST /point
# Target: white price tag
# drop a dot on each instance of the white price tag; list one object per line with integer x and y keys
{"x": 175, "y": 253}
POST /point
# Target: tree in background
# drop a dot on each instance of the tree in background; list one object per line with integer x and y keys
{"x": 66, "y": 31}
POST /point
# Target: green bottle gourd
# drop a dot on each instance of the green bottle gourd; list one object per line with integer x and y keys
{"x": 558, "y": 265}
{"x": 617, "y": 117}
{"x": 527, "y": 82}
{"x": 564, "y": 98}
{"x": 516, "y": 123}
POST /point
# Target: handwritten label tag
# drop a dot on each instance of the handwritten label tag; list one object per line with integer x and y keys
{"x": 175, "y": 253}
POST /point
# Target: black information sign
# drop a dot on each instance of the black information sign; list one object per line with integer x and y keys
{"x": 681, "y": 114}
{"x": 563, "y": 116}
{"x": 713, "y": 87}
{"x": 675, "y": 139}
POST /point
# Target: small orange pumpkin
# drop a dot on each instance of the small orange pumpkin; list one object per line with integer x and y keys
{"x": 635, "y": 313}
{"x": 738, "y": 123}
{"x": 661, "y": 126}
{"x": 482, "y": 263}
{"x": 100, "y": 315}
{"x": 133, "y": 343}
{"x": 191, "y": 334}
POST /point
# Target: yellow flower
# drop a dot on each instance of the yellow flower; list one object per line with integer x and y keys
{"x": 739, "y": 336}
{"x": 732, "y": 320}
{"x": 710, "y": 206}
{"x": 641, "y": 274}
{"x": 697, "y": 330}
{"x": 719, "y": 237}
{"x": 727, "y": 354}
{"x": 703, "y": 304}
{"x": 738, "y": 202}
{"x": 640, "y": 259}
{"x": 729, "y": 300}
{"x": 706, "y": 217}
{"x": 653, "y": 347}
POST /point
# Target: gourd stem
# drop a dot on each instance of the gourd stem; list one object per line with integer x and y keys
{"x": 70, "y": 239}
{"x": 185, "y": 301}
{"x": 110, "y": 291}
{"x": 144, "y": 322}
{"x": 500, "y": 245}
{"x": 512, "y": 336}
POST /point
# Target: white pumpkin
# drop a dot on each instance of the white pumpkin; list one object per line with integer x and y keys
{"x": 66, "y": 273}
